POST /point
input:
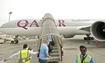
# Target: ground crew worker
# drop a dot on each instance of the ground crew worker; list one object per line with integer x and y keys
{"x": 12, "y": 41}
{"x": 83, "y": 57}
{"x": 24, "y": 55}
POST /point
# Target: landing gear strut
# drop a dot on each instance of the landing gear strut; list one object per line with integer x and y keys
{"x": 88, "y": 38}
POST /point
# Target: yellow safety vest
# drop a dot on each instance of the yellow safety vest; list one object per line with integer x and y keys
{"x": 12, "y": 39}
{"x": 24, "y": 56}
{"x": 87, "y": 59}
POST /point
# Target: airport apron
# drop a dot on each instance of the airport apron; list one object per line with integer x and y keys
{"x": 24, "y": 56}
{"x": 87, "y": 59}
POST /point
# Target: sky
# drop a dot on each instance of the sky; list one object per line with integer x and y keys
{"x": 60, "y": 9}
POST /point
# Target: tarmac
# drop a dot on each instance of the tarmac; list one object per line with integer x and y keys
{"x": 70, "y": 45}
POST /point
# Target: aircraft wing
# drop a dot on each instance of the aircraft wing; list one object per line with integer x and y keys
{"x": 86, "y": 28}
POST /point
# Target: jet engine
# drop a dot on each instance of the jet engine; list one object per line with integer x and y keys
{"x": 98, "y": 30}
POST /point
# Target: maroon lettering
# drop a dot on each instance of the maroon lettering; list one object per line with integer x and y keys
{"x": 34, "y": 23}
{"x": 19, "y": 24}
{"x": 61, "y": 23}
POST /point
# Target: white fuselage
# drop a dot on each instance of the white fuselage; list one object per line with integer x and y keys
{"x": 32, "y": 27}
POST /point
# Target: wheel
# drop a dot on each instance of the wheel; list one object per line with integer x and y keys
{"x": 92, "y": 38}
{"x": 85, "y": 38}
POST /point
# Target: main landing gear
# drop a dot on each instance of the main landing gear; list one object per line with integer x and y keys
{"x": 88, "y": 38}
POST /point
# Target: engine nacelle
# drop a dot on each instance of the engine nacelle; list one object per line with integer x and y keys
{"x": 68, "y": 36}
{"x": 98, "y": 30}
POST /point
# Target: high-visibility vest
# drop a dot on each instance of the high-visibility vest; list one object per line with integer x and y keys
{"x": 24, "y": 56}
{"x": 87, "y": 59}
{"x": 12, "y": 39}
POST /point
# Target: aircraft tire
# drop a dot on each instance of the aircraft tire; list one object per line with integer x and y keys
{"x": 85, "y": 38}
{"x": 92, "y": 38}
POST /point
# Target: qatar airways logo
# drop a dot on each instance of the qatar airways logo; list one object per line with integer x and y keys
{"x": 25, "y": 23}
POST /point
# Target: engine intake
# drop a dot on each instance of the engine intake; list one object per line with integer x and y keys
{"x": 98, "y": 30}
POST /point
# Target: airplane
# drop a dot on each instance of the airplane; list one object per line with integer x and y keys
{"x": 66, "y": 27}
